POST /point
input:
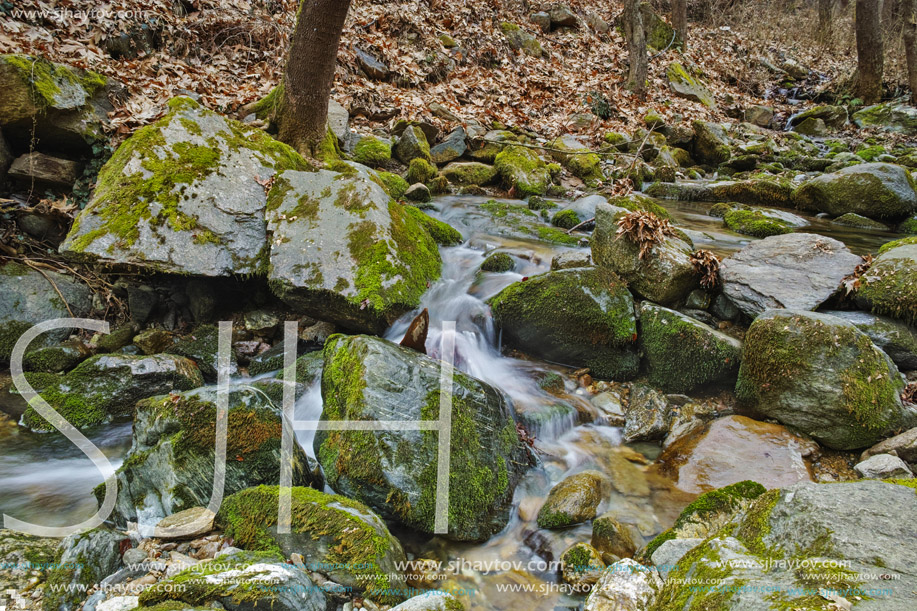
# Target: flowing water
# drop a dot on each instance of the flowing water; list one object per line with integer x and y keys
{"x": 43, "y": 478}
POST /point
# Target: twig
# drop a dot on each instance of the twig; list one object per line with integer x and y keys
{"x": 586, "y": 222}
{"x": 38, "y": 269}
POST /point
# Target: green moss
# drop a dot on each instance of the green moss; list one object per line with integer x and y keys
{"x": 719, "y": 501}
{"x": 267, "y": 108}
{"x": 52, "y": 359}
{"x": 754, "y": 223}
{"x": 372, "y": 152}
{"x": 579, "y": 161}
{"x": 523, "y": 170}
{"x": 909, "y": 226}
{"x": 870, "y": 153}
{"x": 910, "y": 482}
{"x": 393, "y": 184}
{"x": 442, "y": 234}
{"x": 635, "y": 202}
{"x": 10, "y": 332}
{"x": 889, "y": 286}
{"x": 521, "y": 219}
{"x": 498, "y": 262}
{"x": 721, "y": 209}
{"x": 565, "y": 219}
{"x": 46, "y": 78}
{"x": 656, "y": 543}
{"x": 895, "y": 243}
{"x": 540, "y": 203}
{"x": 420, "y": 170}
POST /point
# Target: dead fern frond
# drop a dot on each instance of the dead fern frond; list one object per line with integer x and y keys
{"x": 644, "y": 229}
{"x": 707, "y": 265}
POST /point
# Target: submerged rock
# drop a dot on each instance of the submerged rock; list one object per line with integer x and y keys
{"x": 873, "y": 190}
{"x": 344, "y": 251}
{"x": 394, "y": 472}
{"x": 580, "y": 317}
{"x": 823, "y": 376}
{"x": 574, "y": 500}
{"x": 170, "y": 465}
{"x": 734, "y": 449}
{"x": 796, "y": 270}
{"x": 107, "y": 386}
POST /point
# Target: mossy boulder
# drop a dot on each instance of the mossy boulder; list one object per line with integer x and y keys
{"x": 890, "y": 117}
{"x": 581, "y": 565}
{"x": 53, "y": 103}
{"x": 637, "y": 201}
{"x": 466, "y": 173}
{"x": 682, "y": 354}
{"x": 834, "y": 117}
{"x": 442, "y": 233}
{"x": 518, "y": 221}
{"x": 420, "y": 171}
{"x": 889, "y": 287}
{"x": 523, "y": 170}
{"x": 685, "y": 85}
{"x": 851, "y": 219}
{"x": 395, "y": 472}
{"x": 340, "y": 538}
{"x": 827, "y": 536}
{"x": 711, "y": 143}
{"x": 26, "y": 559}
{"x": 755, "y": 223}
{"x": 344, "y": 251}
{"x": 823, "y": 376}
{"x": 394, "y": 185}
{"x": 107, "y": 386}
{"x": 243, "y": 580}
{"x": 576, "y": 157}
{"x": 57, "y": 358}
{"x": 498, "y": 262}
{"x": 666, "y": 275}
{"x": 85, "y": 559}
{"x": 896, "y": 338}
{"x": 170, "y": 465}
{"x": 581, "y": 317}
{"x": 573, "y": 501}
{"x": 520, "y": 39}
{"x": 372, "y": 151}
{"x": 412, "y": 144}
{"x": 202, "y": 346}
{"x": 873, "y": 190}
{"x": 183, "y": 196}
{"x": 30, "y": 297}
{"x": 451, "y": 148}
{"x": 761, "y": 191}
{"x": 487, "y": 148}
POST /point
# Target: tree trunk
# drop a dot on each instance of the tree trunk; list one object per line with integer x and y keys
{"x": 309, "y": 74}
{"x": 909, "y": 10}
{"x": 636, "y": 44}
{"x": 825, "y": 21}
{"x": 680, "y": 21}
{"x": 870, "y": 52}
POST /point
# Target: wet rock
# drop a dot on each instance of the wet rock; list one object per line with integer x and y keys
{"x": 498, "y": 262}
{"x": 874, "y": 190}
{"x": 671, "y": 551}
{"x": 896, "y": 339}
{"x": 573, "y": 501}
{"x": 683, "y": 354}
{"x": 581, "y": 565}
{"x": 107, "y": 386}
{"x": 340, "y": 538}
{"x": 609, "y": 536}
{"x": 903, "y": 445}
{"x": 666, "y": 275}
{"x": 349, "y": 255}
{"x": 647, "y": 414}
{"x": 883, "y": 466}
{"x": 153, "y": 341}
{"x": 183, "y": 196}
{"x": 286, "y": 587}
{"x": 796, "y": 270}
{"x": 521, "y": 169}
{"x": 85, "y": 560}
{"x": 757, "y": 192}
{"x": 685, "y": 85}
{"x": 734, "y": 449}
{"x": 842, "y": 530}
{"x": 56, "y": 359}
{"x": 887, "y": 287}
{"x": 466, "y": 173}
{"x": 44, "y": 171}
{"x": 394, "y": 472}
{"x": 581, "y": 317}
{"x": 711, "y": 143}
{"x": 625, "y": 586}
{"x": 170, "y": 465}
{"x": 24, "y": 560}
{"x": 418, "y": 192}
{"x": 861, "y": 222}
{"x": 202, "y": 347}
{"x": 890, "y": 117}
{"x": 823, "y": 376}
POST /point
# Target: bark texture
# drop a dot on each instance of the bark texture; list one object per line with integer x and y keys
{"x": 870, "y": 51}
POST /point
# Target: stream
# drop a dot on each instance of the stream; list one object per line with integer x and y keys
{"x": 45, "y": 479}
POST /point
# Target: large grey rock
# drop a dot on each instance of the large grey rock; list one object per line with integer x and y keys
{"x": 85, "y": 560}
{"x": 626, "y": 585}
{"x": 903, "y": 445}
{"x": 451, "y": 148}
{"x": 107, "y": 386}
{"x": 841, "y": 531}
{"x": 580, "y": 317}
{"x": 873, "y": 190}
{"x": 412, "y": 144}
{"x": 183, "y": 196}
{"x": 890, "y": 117}
{"x": 170, "y": 465}
{"x": 29, "y": 297}
{"x": 670, "y": 552}
{"x": 711, "y": 143}
{"x": 795, "y": 270}
{"x": 394, "y": 472}
{"x": 823, "y": 376}
{"x": 574, "y": 500}
{"x": 834, "y": 117}
{"x": 883, "y": 466}
{"x": 688, "y": 86}
{"x": 887, "y": 286}
{"x": 666, "y": 275}
{"x": 344, "y": 251}
{"x": 895, "y": 338}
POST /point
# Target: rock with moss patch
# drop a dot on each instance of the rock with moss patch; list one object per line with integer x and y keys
{"x": 581, "y": 565}
{"x": 796, "y": 270}
{"x": 890, "y": 116}
{"x": 451, "y": 148}
{"x": 625, "y": 586}
{"x": 897, "y": 339}
{"x": 711, "y": 143}
{"x": 682, "y": 354}
{"x": 576, "y": 157}
{"x": 611, "y": 537}
{"x": 342, "y": 539}
{"x": 580, "y": 317}
{"x": 170, "y": 465}
{"x": 412, "y": 145}
{"x": 85, "y": 559}
{"x": 372, "y": 151}
{"x": 573, "y": 501}
{"x": 889, "y": 287}
{"x": 183, "y": 196}
{"x": 393, "y": 184}
{"x": 755, "y": 223}
{"x": 57, "y": 358}
{"x": 53, "y": 103}
{"x": 520, "y": 39}
{"x": 834, "y": 117}
{"x": 518, "y": 221}
{"x": 852, "y": 219}
{"x": 486, "y": 148}
{"x": 107, "y": 386}
{"x": 29, "y": 297}
{"x": 395, "y": 472}
{"x": 431, "y": 601}
{"x": 822, "y": 375}
{"x": 523, "y": 170}
{"x": 753, "y": 191}
{"x": 420, "y": 170}
{"x": 466, "y": 173}
{"x": 202, "y": 346}
{"x": 344, "y": 251}
{"x": 26, "y": 559}
{"x": 498, "y": 262}
{"x": 833, "y": 533}
{"x": 687, "y": 86}
{"x": 666, "y": 275}
{"x": 874, "y": 190}
{"x": 239, "y": 581}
